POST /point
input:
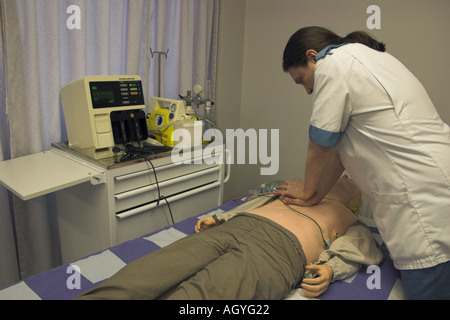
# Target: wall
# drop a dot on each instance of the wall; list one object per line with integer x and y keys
{"x": 413, "y": 30}
{"x": 229, "y": 74}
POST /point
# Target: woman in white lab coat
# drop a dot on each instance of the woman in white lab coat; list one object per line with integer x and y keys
{"x": 374, "y": 119}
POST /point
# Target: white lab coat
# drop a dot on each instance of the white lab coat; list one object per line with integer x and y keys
{"x": 393, "y": 144}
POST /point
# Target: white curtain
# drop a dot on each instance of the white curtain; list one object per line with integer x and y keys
{"x": 9, "y": 271}
{"x": 42, "y": 53}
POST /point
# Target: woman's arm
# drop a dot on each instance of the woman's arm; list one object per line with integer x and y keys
{"x": 323, "y": 169}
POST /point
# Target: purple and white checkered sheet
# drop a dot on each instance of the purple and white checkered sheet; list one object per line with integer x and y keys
{"x": 65, "y": 283}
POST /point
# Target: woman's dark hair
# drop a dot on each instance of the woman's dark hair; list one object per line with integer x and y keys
{"x": 319, "y": 38}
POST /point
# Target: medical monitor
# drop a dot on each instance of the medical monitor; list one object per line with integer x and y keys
{"x": 103, "y": 111}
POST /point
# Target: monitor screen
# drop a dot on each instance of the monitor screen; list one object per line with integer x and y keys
{"x": 107, "y": 94}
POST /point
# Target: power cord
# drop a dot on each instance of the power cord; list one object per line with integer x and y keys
{"x": 159, "y": 191}
{"x": 133, "y": 152}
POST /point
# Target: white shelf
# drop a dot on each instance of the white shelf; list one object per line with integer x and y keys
{"x": 42, "y": 173}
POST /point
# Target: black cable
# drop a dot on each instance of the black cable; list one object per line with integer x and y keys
{"x": 170, "y": 210}
{"x": 133, "y": 152}
{"x": 305, "y": 215}
{"x": 265, "y": 194}
{"x": 159, "y": 191}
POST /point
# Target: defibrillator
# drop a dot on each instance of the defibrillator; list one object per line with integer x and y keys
{"x": 104, "y": 111}
{"x": 168, "y": 115}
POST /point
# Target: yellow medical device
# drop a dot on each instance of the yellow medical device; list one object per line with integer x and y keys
{"x": 166, "y": 116}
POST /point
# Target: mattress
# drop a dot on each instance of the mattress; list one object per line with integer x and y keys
{"x": 69, "y": 280}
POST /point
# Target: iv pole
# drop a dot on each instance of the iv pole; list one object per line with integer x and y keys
{"x": 160, "y": 56}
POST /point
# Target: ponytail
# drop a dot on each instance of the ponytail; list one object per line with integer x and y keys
{"x": 319, "y": 38}
{"x": 364, "y": 38}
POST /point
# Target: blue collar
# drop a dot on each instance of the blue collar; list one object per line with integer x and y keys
{"x": 327, "y": 51}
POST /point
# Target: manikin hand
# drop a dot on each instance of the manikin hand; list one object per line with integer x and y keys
{"x": 205, "y": 223}
{"x": 316, "y": 286}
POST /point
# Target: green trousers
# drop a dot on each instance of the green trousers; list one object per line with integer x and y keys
{"x": 248, "y": 257}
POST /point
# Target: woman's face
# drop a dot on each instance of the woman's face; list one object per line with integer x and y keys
{"x": 304, "y": 75}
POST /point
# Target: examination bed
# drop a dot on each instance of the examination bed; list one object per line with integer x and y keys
{"x": 60, "y": 283}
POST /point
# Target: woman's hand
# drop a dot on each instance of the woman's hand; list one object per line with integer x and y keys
{"x": 316, "y": 286}
{"x": 291, "y": 192}
{"x": 205, "y": 223}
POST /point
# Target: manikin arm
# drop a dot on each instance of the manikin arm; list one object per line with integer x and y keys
{"x": 219, "y": 218}
{"x": 343, "y": 259}
{"x": 346, "y": 255}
